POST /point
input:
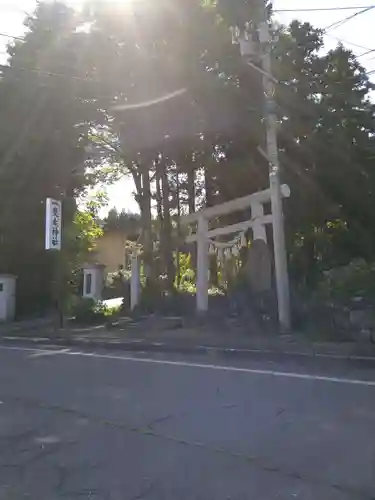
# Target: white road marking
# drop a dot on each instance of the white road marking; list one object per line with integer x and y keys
{"x": 47, "y": 352}
{"x": 185, "y": 364}
{"x": 47, "y": 440}
{"x": 211, "y": 349}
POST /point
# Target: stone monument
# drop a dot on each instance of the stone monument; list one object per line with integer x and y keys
{"x": 258, "y": 268}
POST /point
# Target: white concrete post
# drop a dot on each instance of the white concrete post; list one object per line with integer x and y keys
{"x": 135, "y": 283}
{"x": 259, "y": 228}
{"x": 202, "y": 266}
{"x": 93, "y": 281}
{"x": 7, "y": 297}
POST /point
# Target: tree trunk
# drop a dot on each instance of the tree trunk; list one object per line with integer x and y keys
{"x": 160, "y": 228}
{"x": 159, "y": 198}
{"x": 142, "y": 183}
{"x": 167, "y": 230}
{"x": 191, "y": 205}
{"x": 191, "y": 188}
{"x": 213, "y": 267}
{"x": 178, "y": 270}
{"x": 147, "y": 244}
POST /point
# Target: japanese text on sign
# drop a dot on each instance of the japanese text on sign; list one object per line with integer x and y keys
{"x": 53, "y": 224}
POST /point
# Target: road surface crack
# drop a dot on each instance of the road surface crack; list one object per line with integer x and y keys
{"x": 172, "y": 416}
{"x": 250, "y": 459}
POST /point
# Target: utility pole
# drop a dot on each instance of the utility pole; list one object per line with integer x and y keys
{"x": 256, "y": 45}
{"x": 271, "y": 122}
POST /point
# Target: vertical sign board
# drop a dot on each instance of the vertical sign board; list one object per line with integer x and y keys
{"x": 53, "y": 224}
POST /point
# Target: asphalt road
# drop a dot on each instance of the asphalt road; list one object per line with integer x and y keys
{"x": 77, "y": 425}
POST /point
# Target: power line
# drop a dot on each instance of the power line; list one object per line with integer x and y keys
{"x": 334, "y": 25}
{"x": 345, "y": 20}
{"x": 353, "y": 44}
{"x": 363, "y": 47}
{"x": 83, "y": 79}
{"x": 88, "y": 79}
{"x": 325, "y": 9}
{"x": 363, "y": 9}
{"x": 370, "y": 51}
{"x": 61, "y": 75}
{"x": 49, "y": 73}
{"x": 337, "y": 24}
{"x": 5, "y": 35}
{"x": 11, "y": 8}
{"x": 322, "y": 9}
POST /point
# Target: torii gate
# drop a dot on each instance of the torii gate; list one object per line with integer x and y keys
{"x": 257, "y": 223}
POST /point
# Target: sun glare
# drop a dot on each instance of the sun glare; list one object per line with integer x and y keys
{"x": 115, "y": 3}
{"x": 125, "y": 3}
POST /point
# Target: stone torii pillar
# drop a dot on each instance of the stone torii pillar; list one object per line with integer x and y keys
{"x": 135, "y": 282}
{"x": 202, "y": 265}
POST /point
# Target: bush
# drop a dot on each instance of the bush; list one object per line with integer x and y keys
{"x": 345, "y": 283}
{"x": 88, "y": 311}
{"x": 187, "y": 286}
{"x": 124, "y": 275}
{"x": 151, "y": 295}
{"x": 215, "y": 292}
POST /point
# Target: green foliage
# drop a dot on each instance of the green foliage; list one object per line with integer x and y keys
{"x": 188, "y": 287}
{"x": 83, "y": 234}
{"x": 187, "y": 273}
{"x": 327, "y": 144}
{"x": 42, "y": 124}
{"x": 214, "y": 291}
{"x": 118, "y": 276}
{"x": 89, "y": 312}
{"x": 346, "y": 283}
{"x": 57, "y": 96}
{"x": 106, "y": 311}
{"x": 118, "y": 285}
{"x": 124, "y": 221}
{"x": 83, "y": 311}
{"x": 187, "y": 279}
{"x": 151, "y": 295}
{"x": 237, "y": 12}
{"x": 79, "y": 241}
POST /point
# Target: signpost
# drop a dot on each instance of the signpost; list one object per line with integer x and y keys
{"x": 53, "y": 224}
{"x": 53, "y": 243}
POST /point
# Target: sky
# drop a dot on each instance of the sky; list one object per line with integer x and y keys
{"x": 356, "y": 35}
